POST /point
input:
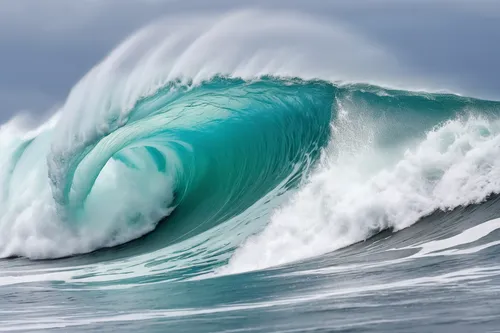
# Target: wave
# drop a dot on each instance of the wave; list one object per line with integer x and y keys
{"x": 218, "y": 147}
{"x": 240, "y": 148}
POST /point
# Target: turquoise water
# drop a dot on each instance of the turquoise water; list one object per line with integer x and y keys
{"x": 270, "y": 204}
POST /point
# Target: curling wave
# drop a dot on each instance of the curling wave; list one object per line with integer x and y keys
{"x": 240, "y": 160}
{"x": 218, "y": 147}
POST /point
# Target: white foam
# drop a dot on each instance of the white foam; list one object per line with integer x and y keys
{"x": 350, "y": 198}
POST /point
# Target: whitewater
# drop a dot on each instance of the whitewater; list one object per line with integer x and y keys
{"x": 216, "y": 175}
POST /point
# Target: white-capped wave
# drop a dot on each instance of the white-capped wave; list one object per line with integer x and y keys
{"x": 352, "y": 196}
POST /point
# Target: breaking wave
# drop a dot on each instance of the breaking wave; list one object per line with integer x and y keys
{"x": 236, "y": 147}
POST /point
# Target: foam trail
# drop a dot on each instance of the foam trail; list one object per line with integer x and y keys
{"x": 471, "y": 235}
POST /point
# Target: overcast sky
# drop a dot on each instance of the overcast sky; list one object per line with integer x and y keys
{"x": 46, "y": 46}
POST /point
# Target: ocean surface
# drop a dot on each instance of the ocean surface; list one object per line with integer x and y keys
{"x": 177, "y": 190}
